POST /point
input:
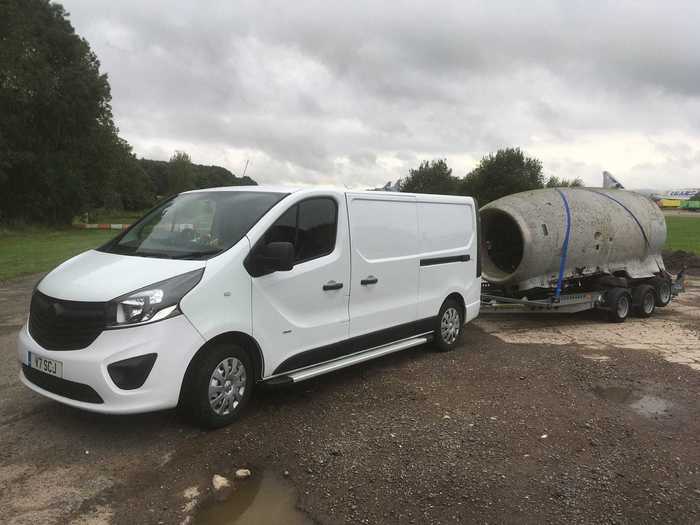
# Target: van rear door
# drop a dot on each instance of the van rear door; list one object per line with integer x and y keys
{"x": 384, "y": 263}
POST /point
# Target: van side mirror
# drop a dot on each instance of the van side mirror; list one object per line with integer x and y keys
{"x": 278, "y": 256}
{"x": 275, "y": 257}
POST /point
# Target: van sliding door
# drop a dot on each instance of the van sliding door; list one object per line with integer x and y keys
{"x": 384, "y": 266}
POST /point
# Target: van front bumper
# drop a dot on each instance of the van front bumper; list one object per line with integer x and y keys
{"x": 86, "y": 381}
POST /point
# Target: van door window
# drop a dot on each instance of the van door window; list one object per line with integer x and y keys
{"x": 310, "y": 226}
{"x": 316, "y": 228}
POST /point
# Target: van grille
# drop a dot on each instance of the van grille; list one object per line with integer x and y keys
{"x": 65, "y": 325}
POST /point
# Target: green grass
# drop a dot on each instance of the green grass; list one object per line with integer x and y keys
{"x": 683, "y": 233}
{"x": 33, "y": 250}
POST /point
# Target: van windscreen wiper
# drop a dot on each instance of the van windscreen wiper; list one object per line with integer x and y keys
{"x": 197, "y": 254}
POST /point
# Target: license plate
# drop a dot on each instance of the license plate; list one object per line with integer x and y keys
{"x": 46, "y": 365}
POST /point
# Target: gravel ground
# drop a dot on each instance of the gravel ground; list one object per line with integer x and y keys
{"x": 496, "y": 431}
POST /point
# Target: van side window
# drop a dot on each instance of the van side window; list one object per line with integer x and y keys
{"x": 310, "y": 226}
{"x": 316, "y": 228}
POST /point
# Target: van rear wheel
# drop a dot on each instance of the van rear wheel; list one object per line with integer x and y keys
{"x": 219, "y": 387}
{"x": 449, "y": 326}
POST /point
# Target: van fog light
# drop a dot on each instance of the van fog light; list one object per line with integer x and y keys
{"x": 132, "y": 373}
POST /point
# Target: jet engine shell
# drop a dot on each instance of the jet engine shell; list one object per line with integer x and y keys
{"x": 609, "y": 231}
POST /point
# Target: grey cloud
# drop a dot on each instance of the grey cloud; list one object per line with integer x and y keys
{"x": 328, "y": 92}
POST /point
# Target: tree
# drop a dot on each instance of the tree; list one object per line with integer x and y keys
{"x": 56, "y": 123}
{"x": 431, "y": 177}
{"x": 161, "y": 175}
{"x": 696, "y": 197}
{"x": 131, "y": 181}
{"x": 180, "y": 173}
{"x": 508, "y": 171}
{"x": 556, "y": 182}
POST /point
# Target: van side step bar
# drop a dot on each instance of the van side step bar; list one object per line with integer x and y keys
{"x": 352, "y": 359}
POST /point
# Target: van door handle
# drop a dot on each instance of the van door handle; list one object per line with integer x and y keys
{"x": 332, "y": 285}
{"x": 370, "y": 279}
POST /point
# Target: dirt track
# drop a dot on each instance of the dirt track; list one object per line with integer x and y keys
{"x": 544, "y": 422}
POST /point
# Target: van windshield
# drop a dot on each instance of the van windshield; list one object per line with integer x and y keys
{"x": 194, "y": 225}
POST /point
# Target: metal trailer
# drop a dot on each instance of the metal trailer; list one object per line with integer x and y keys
{"x": 581, "y": 301}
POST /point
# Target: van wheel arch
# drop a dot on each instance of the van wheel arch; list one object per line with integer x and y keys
{"x": 240, "y": 339}
{"x": 460, "y": 301}
{"x": 449, "y": 323}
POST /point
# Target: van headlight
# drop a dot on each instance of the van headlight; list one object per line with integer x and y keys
{"x": 152, "y": 303}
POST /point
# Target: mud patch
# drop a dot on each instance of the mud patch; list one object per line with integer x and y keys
{"x": 679, "y": 259}
{"x": 54, "y": 491}
{"x": 263, "y": 498}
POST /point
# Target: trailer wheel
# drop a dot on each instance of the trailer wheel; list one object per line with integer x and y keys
{"x": 449, "y": 326}
{"x": 662, "y": 290}
{"x": 644, "y": 300}
{"x": 619, "y": 302}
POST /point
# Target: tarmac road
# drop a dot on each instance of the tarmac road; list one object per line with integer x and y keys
{"x": 508, "y": 428}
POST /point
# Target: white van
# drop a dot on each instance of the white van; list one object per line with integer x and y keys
{"x": 216, "y": 290}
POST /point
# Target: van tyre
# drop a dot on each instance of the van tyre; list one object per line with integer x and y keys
{"x": 662, "y": 290}
{"x": 644, "y": 300}
{"x": 219, "y": 386}
{"x": 619, "y": 303}
{"x": 450, "y": 324}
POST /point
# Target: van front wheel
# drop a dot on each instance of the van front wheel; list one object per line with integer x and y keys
{"x": 450, "y": 322}
{"x": 219, "y": 387}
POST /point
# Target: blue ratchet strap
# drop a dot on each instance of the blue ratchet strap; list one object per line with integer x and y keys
{"x": 564, "y": 247}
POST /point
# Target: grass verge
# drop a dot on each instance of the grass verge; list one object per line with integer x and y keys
{"x": 34, "y": 250}
{"x": 683, "y": 233}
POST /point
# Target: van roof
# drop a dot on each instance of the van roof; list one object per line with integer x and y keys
{"x": 295, "y": 189}
{"x": 266, "y": 189}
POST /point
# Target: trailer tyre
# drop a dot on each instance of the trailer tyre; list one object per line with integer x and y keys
{"x": 644, "y": 300}
{"x": 449, "y": 326}
{"x": 219, "y": 387}
{"x": 619, "y": 303}
{"x": 662, "y": 290}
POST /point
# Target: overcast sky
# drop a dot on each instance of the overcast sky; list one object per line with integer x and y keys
{"x": 355, "y": 93}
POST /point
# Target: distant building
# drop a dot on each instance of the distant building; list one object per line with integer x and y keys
{"x": 682, "y": 195}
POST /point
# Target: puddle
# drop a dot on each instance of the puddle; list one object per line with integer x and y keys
{"x": 263, "y": 498}
{"x": 651, "y": 406}
{"x": 617, "y": 394}
{"x": 648, "y": 406}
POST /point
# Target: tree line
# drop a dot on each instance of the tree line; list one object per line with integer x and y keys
{"x": 507, "y": 171}
{"x": 60, "y": 151}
